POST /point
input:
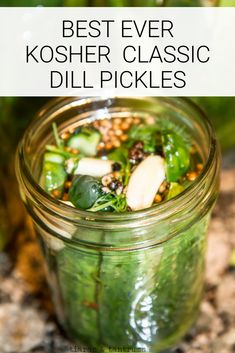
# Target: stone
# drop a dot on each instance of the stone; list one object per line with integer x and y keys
{"x": 21, "y": 329}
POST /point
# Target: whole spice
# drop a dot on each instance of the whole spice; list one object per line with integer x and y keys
{"x": 136, "y": 152}
{"x": 191, "y": 176}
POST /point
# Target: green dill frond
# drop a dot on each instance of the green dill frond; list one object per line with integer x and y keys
{"x": 166, "y": 125}
{"x": 58, "y": 140}
{"x": 59, "y": 150}
{"x": 117, "y": 202}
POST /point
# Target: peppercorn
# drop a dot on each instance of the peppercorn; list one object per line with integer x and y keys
{"x": 105, "y": 189}
{"x": 113, "y": 185}
{"x": 106, "y": 123}
{"x": 116, "y": 175}
{"x": 199, "y": 167}
{"x": 106, "y": 180}
{"x": 55, "y": 193}
{"x": 123, "y": 137}
{"x": 136, "y": 121}
{"x": 119, "y": 188}
{"x": 124, "y": 126}
{"x": 100, "y": 146}
{"x": 158, "y": 198}
{"x": 191, "y": 176}
{"x": 117, "y": 121}
{"x": 163, "y": 187}
{"x": 96, "y": 124}
{"x": 74, "y": 151}
{"x": 116, "y": 167}
{"x": 102, "y": 152}
{"x": 129, "y": 120}
{"x": 116, "y": 143}
{"x": 193, "y": 150}
{"x": 139, "y": 145}
{"x": 108, "y": 146}
{"x": 68, "y": 149}
{"x": 118, "y": 132}
{"x": 106, "y": 138}
{"x": 65, "y": 135}
{"x": 135, "y": 155}
{"x": 65, "y": 197}
{"x": 67, "y": 184}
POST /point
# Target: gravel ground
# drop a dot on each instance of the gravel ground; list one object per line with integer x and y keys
{"x": 27, "y": 322}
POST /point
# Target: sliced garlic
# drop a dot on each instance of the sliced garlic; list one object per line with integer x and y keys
{"x": 94, "y": 167}
{"x": 145, "y": 182}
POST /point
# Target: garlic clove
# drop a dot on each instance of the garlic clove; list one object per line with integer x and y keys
{"x": 94, "y": 167}
{"x": 145, "y": 182}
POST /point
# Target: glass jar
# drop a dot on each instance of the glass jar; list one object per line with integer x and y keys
{"x": 126, "y": 281}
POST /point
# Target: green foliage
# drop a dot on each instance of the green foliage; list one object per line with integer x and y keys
{"x": 166, "y": 136}
{"x": 183, "y": 3}
{"x": 120, "y": 155}
{"x": 221, "y": 112}
{"x": 225, "y": 3}
{"x": 110, "y": 202}
{"x": 86, "y": 141}
{"x": 58, "y": 140}
{"x": 148, "y": 134}
{"x": 59, "y": 151}
{"x": 177, "y": 155}
{"x": 66, "y": 3}
{"x": 53, "y": 175}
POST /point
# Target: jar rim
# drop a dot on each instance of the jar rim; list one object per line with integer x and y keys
{"x": 157, "y": 212}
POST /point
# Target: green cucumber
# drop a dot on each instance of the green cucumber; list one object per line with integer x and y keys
{"x": 128, "y": 280}
{"x": 180, "y": 283}
{"x": 177, "y": 155}
{"x": 53, "y": 175}
{"x": 174, "y": 190}
{"x": 77, "y": 271}
{"x": 84, "y": 191}
{"x": 54, "y": 158}
{"x": 86, "y": 143}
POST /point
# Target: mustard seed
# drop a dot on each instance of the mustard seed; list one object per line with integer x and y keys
{"x": 124, "y": 126}
{"x": 158, "y": 198}
{"x": 123, "y": 138}
{"x": 199, "y": 167}
{"x": 191, "y": 176}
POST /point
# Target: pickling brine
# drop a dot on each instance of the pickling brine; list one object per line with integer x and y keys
{"x": 120, "y": 191}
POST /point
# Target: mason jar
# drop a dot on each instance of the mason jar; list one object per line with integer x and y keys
{"x": 122, "y": 281}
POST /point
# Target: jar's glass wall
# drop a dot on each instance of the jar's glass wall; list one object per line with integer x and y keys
{"x": 130, "y": 280}
{"x": 146, "y": 298}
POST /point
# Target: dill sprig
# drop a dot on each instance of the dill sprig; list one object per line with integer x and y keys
{"x": 58, "y": 140}
{"x": 117, "y": 202}
{"x": 59, "y": 150}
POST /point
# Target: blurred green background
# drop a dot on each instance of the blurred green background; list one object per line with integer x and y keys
{"x": 15, "y": 113}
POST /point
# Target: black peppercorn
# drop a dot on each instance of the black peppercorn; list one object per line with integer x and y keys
{"x": 138, "y": 145}
{"x": 116, "y": 167}
{"x": 136, "y": 155}
{"x": 113, "y": 185}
